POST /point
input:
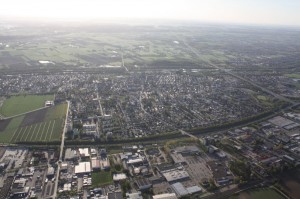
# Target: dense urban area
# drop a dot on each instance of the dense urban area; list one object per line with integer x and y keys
{"x": 149, "y": 112}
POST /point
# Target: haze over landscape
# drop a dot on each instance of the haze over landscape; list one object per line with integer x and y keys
{"x": 266, "y": 12}
{"x": 161, "y": 99}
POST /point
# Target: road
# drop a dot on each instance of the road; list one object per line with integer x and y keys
{"x": 280, "y": 97}
{"x": 61, "y": 152}
{"x": 123, "y": 64}
{"x": 100, "y": 106}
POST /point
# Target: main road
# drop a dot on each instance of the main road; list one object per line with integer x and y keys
{"x": 61, "y": 152}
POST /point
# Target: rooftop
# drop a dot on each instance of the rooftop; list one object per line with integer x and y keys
{"x": 179, "y": 189}
{"x": 165, "y": 196}
{"x": 83, "y": 167}
{"x": 175, "y": 175}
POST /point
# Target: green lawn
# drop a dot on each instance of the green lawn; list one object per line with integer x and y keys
{"x": 101, "y": 178}
{"x": 23, "y": 103}
{"x": 296, "y": 76}
{"x": 263, "y": 193}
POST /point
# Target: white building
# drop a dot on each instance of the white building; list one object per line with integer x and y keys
{"x": 83, "y": 168}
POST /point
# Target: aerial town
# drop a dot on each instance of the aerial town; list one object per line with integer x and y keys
{"x": 186, "y": 114}
{"x": 121, "y": 117}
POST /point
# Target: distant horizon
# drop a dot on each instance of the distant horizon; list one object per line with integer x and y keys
{"x": 134, "y": 22}
{"x": 236, "y": 12}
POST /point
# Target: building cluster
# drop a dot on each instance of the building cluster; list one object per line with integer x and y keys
{"x": 142, "y": 104}
{"x": 192, "y": 168}
{"x": 26, "y": 173}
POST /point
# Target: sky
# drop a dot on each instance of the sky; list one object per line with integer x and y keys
{"x": 268, "y": 12}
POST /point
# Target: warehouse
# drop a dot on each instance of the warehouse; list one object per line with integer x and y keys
{"x": 176, "y": 176}
{"x": 95, "y": 164}
{"x": 83, "y": 168}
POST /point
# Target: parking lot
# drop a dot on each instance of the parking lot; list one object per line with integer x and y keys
{"x": 197, "y": 169}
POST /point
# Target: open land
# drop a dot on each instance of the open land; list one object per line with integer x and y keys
{"x": 160, "y": 84}
{"x": 101, "y": 178}
{"x": 16, "y": 105}
{"x": 39, "y": 126}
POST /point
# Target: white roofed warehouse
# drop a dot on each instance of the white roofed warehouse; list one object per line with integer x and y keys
{"x": 83, "y": 168}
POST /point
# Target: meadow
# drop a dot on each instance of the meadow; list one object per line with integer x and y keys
{"x": 16, "y": 105}
{"x": 45, "y": 125}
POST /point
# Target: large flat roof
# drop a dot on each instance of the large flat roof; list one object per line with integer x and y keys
{"x": 175, "y": 175}
{"x": 83, "y": 167}
{"x": 179, "y": 189}
{"x": 84, "y": 151}
{"x": 165, "y": 196}
{"x": 95, "y": 163}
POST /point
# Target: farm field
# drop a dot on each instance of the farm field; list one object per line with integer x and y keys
{"x": 44, "y": 125}
{"x": 23, "y": 103}
{"x": 262, "y": 193}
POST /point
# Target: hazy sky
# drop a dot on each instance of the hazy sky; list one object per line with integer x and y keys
{"x": 275, "y": 12}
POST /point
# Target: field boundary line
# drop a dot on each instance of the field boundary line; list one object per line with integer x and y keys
{"x": 22, "y": 133}
{"x": 38, "y": 132}
{"x": 43, "y": 130}
{"x": 25, "y": 132}
{"x": 25, "y": 113}
{"x": 52, "y": 130}
{"x": 28, "y": 133}
{"x": 48, "y": 130}
{"x": 33, "y": 132}
{"x": 13, "y": 135}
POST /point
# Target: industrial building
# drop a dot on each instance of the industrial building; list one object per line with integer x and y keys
{"x": 143, "y": 184}
{"x": 137, "y": 195}
{"x": 180, "y": 190}
{"x": 84, "y": 152}
{"x": 119, "y": 177}
{"x": 165, "y": 196}
{"x": 176, "y": 176}
{"x": 187, "y": 150}
{"x": 50, "y": 172}
{"x": 115, "y": 195}
{"x": 71, "y": 155}
{"x": 95, "y": 164}
{"x": 83, "y": 168}
{"x": 221, "y": 173}
{"x": 104, "y": 163}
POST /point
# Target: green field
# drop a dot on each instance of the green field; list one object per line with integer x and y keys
{"x": 46, "y": 129}
{"x": 296, "y": 76}
{"x": 263, "y": 193}
{"x": 23, "y": 103}
{"x": 101, "y": 178}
